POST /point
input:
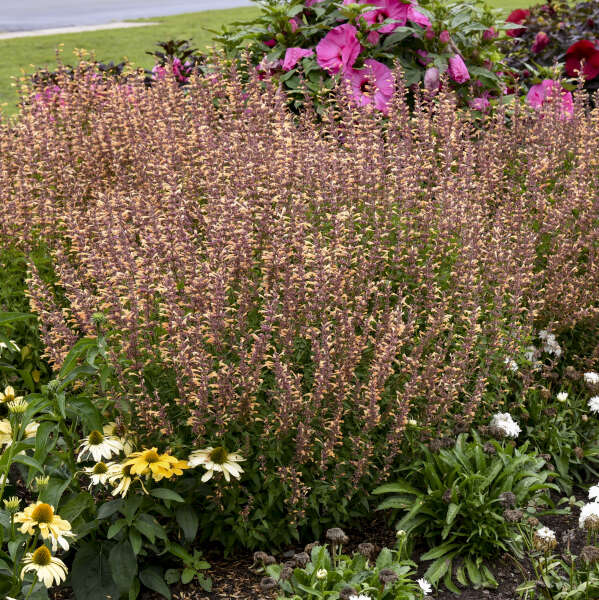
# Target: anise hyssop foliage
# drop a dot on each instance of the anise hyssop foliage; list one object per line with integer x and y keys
{"x": 306, "y": 286}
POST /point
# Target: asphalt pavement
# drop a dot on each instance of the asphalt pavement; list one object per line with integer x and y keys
{"x": 28, "y": 15}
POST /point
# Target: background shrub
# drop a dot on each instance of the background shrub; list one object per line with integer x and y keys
{"x": 293, "y": 290}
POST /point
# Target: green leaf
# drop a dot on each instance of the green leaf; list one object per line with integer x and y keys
{"x": 166, "y": 494}
{"x": 187, "y": 518}
{"x": 116, "y": 527}
{"x": 152, "y": 578}
{"x": 397, "y": 487}
{"x": 473, "y": 573}
{"x": 452, "y": 512}
{"x": 11, "y": 317}
{"x": 123, "y": 564}
{"x": 29, "y": 461}
{"x": 91, "y": 578}
{"x": 109, "y": 508}
{"x": 187, "y": 576}
{"x": 135, "y": 540}
{"x": 438, "y": 569}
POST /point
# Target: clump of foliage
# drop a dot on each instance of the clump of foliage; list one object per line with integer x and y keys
{"x": 295, "y": 41}
{"x": 455, "y": 498}
{"x": 545, "y": 36}
{"x": 324, "y": 573}
{"x": 295, "y": 290}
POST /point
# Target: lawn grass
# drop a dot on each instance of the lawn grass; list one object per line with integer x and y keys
{"x": 18, "y": 55}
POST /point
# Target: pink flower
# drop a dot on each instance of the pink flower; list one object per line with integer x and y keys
{"x": 481, "y": 103}
{"x": 444, "y": 37}
{"x": 417, "y": 17}
{"x": 518, "y": 17}
{"x": 389, "y": 9}
{"x": 432, "y": 79}
{"x": 293, "y": 55}
{"x": 541, "y": 41}
{"x": 294, "y": 25}
{"x": 270, "y": 43}
{"x": 490, "y": 34}
{"x": 158, "y": 71}
{"x": 424, "y": 57}
{"x": 373, "y": 37}
{"x": 372, "y": 84}
{"x": 547, "y": 90}
{"x": 457, "y": 69}
{"x": 338, "y": 49}
{"x": 312, "y": 2}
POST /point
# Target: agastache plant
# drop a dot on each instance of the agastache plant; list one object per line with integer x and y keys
{"x": 312, "y": 286}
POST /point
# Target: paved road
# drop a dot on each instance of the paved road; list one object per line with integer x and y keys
{"x": 22, "y": 15}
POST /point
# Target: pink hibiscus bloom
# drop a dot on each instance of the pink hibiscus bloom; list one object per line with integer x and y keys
{"x": 541, "y": 42}
{"x": 417, "y": 17}
{"x": 389, "y": 9}
{"x": 338, "y": 49}
{"x": 481, "y": 103}
{"x": 293, "y": 56}
{"x": 517, "y": 17}
{"x": 372, "y": 85}
{"x": 547, "y": 90}
{"x": 457, "y": 69}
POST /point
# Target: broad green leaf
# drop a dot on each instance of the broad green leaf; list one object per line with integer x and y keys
{"x": 153, "y": 579}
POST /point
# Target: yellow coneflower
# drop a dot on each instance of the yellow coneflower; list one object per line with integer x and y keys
{"x": 9, "y": 394}
{"x": 6, "y": 431}
{"x": 217, "y": 460}
{"x": 112, "y": 430}
{"x": 49, "y": 569}
{"x": 99, "y": 446}
{"x": 50, "y": 525}
{"x": 120, "y": 476}
{"x": 159, "y": 466}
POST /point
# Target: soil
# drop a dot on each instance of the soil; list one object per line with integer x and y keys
{"x": 236, "y": 580}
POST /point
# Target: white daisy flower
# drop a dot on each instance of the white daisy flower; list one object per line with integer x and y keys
{"x": 511, "y": 364}
{"x": 505, "y": 424}
{"x": 321, "y": 574}
{"x": 49, "y": 569}
{"x": 120, "y": 476}
{"x": 591, "y": 378}
{"x": 360, "y": 597}
{"x": 98, "y": 474}
{"x": 594, "y": 404}
{"x": 589, "y": 516}
{"x": 425, "y": 586}
{"x": 217, "y": 460}
{"x": 562, "y": 396}
{"x": 546, "y": 534}
{"x": 99, "y": 446}
{"x": 594, "y": 492}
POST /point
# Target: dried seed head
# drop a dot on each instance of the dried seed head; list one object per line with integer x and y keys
{"x": 267, "y": 584}
{"x": 579, "y": 452}
{"x": 290, "y": 564}
{"x": 347, "y": 592}
{"x": 302, "y": 559}
{"x": 490, "y": 448}
{"x": 366, "y": 549}
{"x": 388, "y": 576}
{"x": 260, "y": 557}
{"x": 590, "y": 554}
{"x": 533, "y": 521}
{"x": 447, "y": 496}
{"x": 309, "y": 547}
{"x": 286, "y": 573}
{"x": 507, "y": 499}
{"x": 513, "y": 515}
{"x": 336, "y": 536}
{"x": 270, "y": 560}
